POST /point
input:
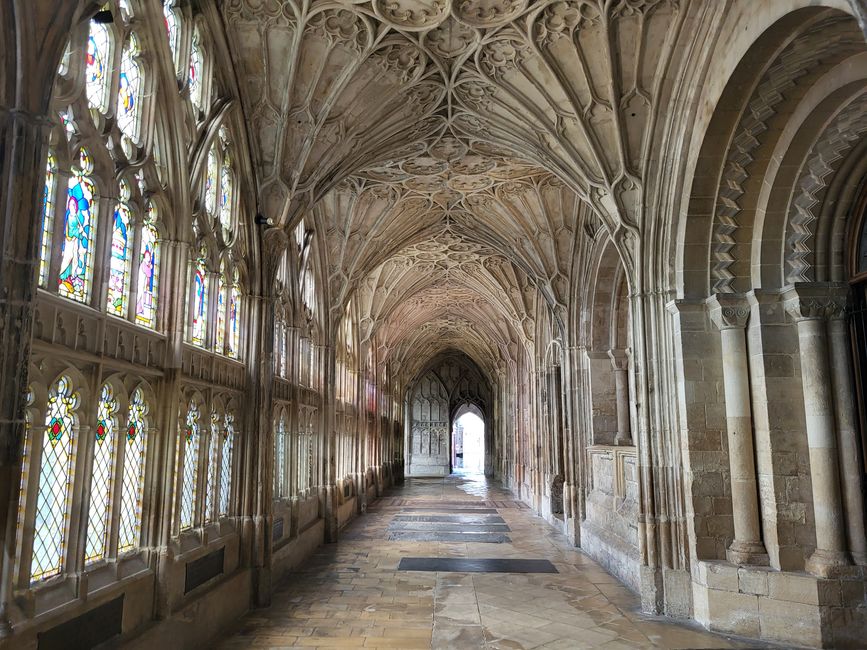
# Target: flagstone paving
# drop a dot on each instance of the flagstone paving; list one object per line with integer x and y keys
{"x": 351, "y": 594}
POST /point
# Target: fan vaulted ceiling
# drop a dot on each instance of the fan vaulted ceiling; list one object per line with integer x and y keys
{"x": 451, "y": 152}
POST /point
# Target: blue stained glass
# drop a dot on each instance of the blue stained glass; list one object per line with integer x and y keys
{"x": 76, "y": 265}
{"x": 200, "y": 304}
{"x": 121, "y": 256}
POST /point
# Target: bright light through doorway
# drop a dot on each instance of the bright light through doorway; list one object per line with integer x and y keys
{"x": 468, "y": 445}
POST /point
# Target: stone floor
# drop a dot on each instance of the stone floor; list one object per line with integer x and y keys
{"x": 351, "y": 594}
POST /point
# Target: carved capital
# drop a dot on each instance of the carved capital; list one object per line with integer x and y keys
{"x": 729, "y": 310}
{"x": 816, "y": 300}
{"x": 619, "y": 359}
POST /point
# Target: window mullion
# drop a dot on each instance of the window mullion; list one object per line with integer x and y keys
{"x": 59, "y": 228}
{"x": 78, "y": 499}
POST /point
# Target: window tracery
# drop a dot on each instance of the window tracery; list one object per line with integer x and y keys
{"x": 53, "y": 492}
{"x": 189, "y": 465}
{"x": 132, "y": 485}
{"x": 105, "y": 149}
{"x": 102, "y": 476}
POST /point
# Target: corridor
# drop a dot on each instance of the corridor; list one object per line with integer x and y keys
{"x": 354, "y": 593}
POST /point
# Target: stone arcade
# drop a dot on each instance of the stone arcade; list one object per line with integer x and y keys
{"x": 257, "y": 255}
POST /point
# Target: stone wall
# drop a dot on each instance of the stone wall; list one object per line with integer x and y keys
{"x": 609, "y": 533}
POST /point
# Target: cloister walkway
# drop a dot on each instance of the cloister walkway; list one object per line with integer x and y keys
{"x": 359, "y": 593}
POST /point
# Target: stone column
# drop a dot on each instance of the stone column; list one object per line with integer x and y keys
{"x": 810, "y": 305}
{"x": 620, "y": 363}
{"x": 847, "y": 431}
{"x": 729, "y": 312}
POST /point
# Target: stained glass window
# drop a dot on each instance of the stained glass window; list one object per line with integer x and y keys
{"x": 55, "y": 479}
{"x": 129, "y": 95}
{"x": 173, "y": 30}
{"x": 234, "y": 317}
{"x": 132, "y": 488}
{"x": 222, "y": 299}
{"x": 102, "y": 477}
{"x": 25, "y": 470}
{"x": 197, "y": 71}
{"x": 227, "y": 189}
{"x": 76, "y": 264}
{"x": 148, "y": 269}
{"x": 200, "y": 302}
{"x": 190, "y": 444}
{"x": 226, "y": 463}
{"x": 98, "y": 60}
{"x": 49, "y": 189}
{"x": 213, "y": 465}
{"x": 280, "y": 459}
{"x": 121, "y": 255}
{"x": 212, "y": 182}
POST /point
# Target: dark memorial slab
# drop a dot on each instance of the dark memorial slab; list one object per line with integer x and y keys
{"x": 201, "y": 570}
{"x": 432, "y": 536}
{"x": 86, "y": 631}
{"x": 278, "y": 529}
{"x": 469, "y": 520}
{"x": 475, "y": 565}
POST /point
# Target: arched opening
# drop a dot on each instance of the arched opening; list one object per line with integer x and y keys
{"x": 858, "y": 311}
{"x": 468, "y": 440}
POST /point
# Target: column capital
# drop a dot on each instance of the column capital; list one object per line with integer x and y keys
{"x": 619, "y": 358}
{"x": 816, "y": 300}
{"x": 728, "y": 310}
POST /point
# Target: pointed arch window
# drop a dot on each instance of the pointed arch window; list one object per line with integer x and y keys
{"x": 226, "y": 464}
{"x": 102, "y": 476}
{"x": 76, "y": 265}
{"x": 55, "y": 480}
{"x": 227, "y": 191}
{"x": 199, "y": 307}
{"x": 197, "y": 71}
{"x": 280, "y": 459}
{"x": 132, "y": 486}
{"x": 173, "y": 30}
{"x": 48, "y": 193}
{"x": 148, "y": 270}
{"x": 189, "y": 465}
{"x": 222, "y": 300}
{"x": 121, "y": 255}
{"x": 97, "y": 66}
{"x": 213, "y": 466}
{"x": 130, "y": 84}
{"x": 234, "y": 316}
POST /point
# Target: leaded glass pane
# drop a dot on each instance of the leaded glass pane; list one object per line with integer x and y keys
{"x": 200, "y": 304}
{"x": 173, "y": 30}
{"x": 280, "y": 460}
{"x": 148, "y": 270}
{"x": 213, "y": 465}
{"x": 227, "y": 191}
{"x": 49, "y": 188}
{"x": 226, "y": 463}
{"x": 132, "y": 489}
{"x": 222, "y": 298}
{"x": 190, "y": 440}
{"x": 101, "y": 478}
{"x": 212, "y": 182}
{"x": 55, "y": 480}
{"x": 234, "y": 318}
{"x": 25, "y": 471}
{"x": 197, "y": 71}
{"x": 121, "y": 256}
{"x": 129, "y": 93}
{"x": 98, "y": 62}
{"x": 76, "y": 264}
